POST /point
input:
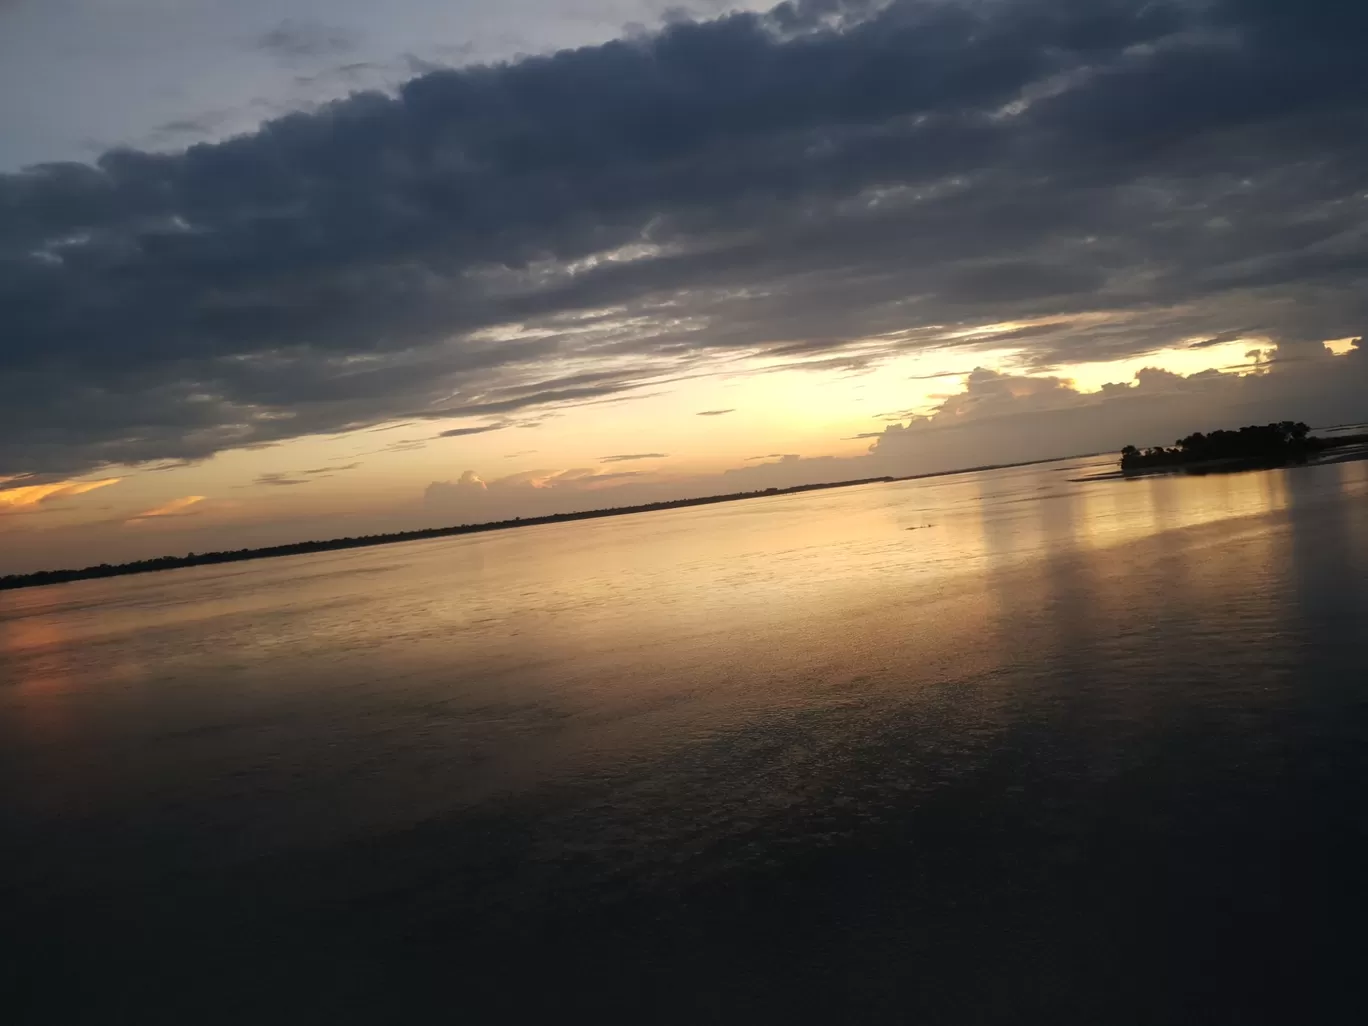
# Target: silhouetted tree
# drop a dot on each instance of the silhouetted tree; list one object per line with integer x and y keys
{"x": 1262, "y": 445}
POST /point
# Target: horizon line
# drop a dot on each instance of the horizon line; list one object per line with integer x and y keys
{"x": 68, "y": 575}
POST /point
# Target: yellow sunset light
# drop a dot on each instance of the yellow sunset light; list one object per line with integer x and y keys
{"x": 31, "y": 495}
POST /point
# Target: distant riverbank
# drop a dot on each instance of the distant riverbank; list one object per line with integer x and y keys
{"x": 143, "y": 566}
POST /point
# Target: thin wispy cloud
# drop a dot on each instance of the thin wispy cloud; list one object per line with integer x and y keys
{"x": 478, "y": 430}
{"x": 175, "y": 508}
{"x": 403, "y": 445}
{"x": 634, "y": 456}
{"x": 1221, "y": 339}
{"x": 620, "y": 475}
{"x": 940, "y": 375}
{"x": 20, "y": 496}
{"x": 293, "y": 39}
{"x": 714, "y": 413}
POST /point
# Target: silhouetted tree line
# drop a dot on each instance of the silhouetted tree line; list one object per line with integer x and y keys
{"x": 143, "y": 566}
{"x": 1254, "y": 445}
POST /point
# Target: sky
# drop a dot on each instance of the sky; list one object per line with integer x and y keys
{"x": 286, "y": 270}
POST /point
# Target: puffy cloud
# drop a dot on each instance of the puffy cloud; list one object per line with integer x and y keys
{"x": 1001, "y": 418}
{"x": 583, "y": 226}
{"x": 996, "y": 417}
{"x": 445, "y": 493}
{"x": 536, "y": 492}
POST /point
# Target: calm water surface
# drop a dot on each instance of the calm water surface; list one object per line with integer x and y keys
{"x": 996, "y": 748}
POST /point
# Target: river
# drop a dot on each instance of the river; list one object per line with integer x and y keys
{"x": 999, "y": 747}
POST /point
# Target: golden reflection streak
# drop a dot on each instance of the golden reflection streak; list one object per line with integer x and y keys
{"x": 34, "y": 651}
{"x": 34, "y": 648}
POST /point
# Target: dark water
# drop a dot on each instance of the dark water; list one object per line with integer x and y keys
{"x": 1066, "y": 753}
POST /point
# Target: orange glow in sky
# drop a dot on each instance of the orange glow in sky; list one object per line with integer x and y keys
{"x": 688, "y": 435}
{"x": 175, "y": 507}
{"x": 31, "y": 495}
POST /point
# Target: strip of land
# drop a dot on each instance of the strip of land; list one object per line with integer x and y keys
{"x": 143, "y": 566}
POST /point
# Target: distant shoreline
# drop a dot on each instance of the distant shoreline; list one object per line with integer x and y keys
{"x": 44, "y": 577}
{"x": 40, "y": 578}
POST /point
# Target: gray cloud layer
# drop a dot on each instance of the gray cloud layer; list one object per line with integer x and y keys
{"x": 570, "y": 228}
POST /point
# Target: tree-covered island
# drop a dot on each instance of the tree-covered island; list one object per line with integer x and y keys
{"x": 1251, "y": 447}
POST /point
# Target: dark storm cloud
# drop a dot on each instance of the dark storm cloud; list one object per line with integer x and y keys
{"x": 792, "y": 183}
{"x": 1000, "y": 281}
